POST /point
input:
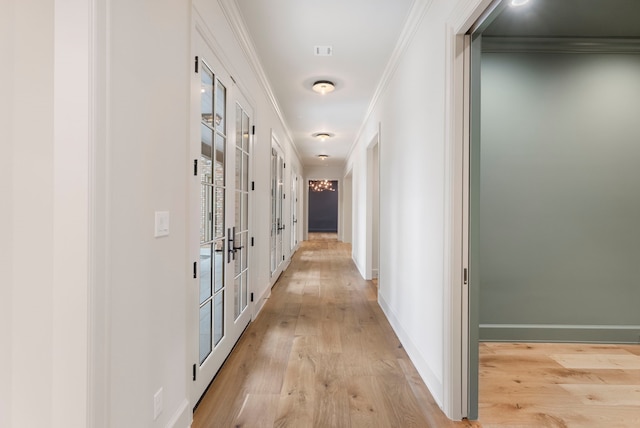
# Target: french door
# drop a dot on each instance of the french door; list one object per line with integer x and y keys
{"x": 277, "y": 205}
{"x": 219, "y": 217}
{"x": 294, "y": 210}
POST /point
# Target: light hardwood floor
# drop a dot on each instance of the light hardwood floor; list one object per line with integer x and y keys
{"x": 559, "y": 385}
{"x": 320, "y": 354}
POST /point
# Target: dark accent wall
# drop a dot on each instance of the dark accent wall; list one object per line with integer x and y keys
{"x": 323, "y": 210}
{"x": 559, "y": 197}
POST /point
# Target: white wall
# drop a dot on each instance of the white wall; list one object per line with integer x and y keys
{"x": 45, "y": 220}
{"x": 7, "y": 18}
{"x": 416, "y": 176}
{"x": 148, "y": 169}
{"x": 346, "y": 212}
{"x": 58, "y": 162}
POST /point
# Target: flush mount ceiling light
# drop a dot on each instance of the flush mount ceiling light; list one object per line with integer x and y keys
{"x": 322, "y": 135}
{"x": 323, "y": 157}
{"x": 516, "y": 3}
{"x": 323, "y": 86}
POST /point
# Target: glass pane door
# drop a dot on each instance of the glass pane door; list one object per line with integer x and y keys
{"x": 212, "y": 218}
{"x": 277, "y": 205}
{"x": 275, "y": 224}
{"x": 241, "y": 229}
{"x": 280, "y": 222}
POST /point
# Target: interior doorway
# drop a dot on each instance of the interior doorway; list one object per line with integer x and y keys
{"x": 346, "y": 219}
{"x": 323, "y": 206}
{"x": 551, "y": 168}
{"x": 373, "y": 208}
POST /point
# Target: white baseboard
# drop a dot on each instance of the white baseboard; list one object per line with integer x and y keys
{"x": 262, "y": 299}
{"x": 182, "y": 418}
{"x": 559, "y": 333}
{"x": 430, "y": 379}
{"x": 355, "y": 262}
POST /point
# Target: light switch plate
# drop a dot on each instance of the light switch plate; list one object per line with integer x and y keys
{"x": 162, "y": 224}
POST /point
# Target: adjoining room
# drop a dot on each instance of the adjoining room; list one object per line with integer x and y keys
{"x": 556, "y": 183}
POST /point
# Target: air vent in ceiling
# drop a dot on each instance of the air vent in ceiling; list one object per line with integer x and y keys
{"x": 323, "y": 50}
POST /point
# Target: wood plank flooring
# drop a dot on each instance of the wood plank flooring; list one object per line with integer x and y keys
{"x": 559, "y": 385}
{"x": 320, "y": 354}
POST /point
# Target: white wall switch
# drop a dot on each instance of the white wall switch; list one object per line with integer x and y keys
{"x": 157, "y": 404}
{"x": 162, "y": 223}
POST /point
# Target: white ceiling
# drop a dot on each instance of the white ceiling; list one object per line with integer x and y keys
{"x": 363, "y": 34}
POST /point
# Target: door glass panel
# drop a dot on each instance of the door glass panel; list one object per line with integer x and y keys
{"x": 218, "y": 265}
{"x": 219, "y": 212}
{"x": 238, "y": 210}
{"x": 206, "y": 217}
{"x": 219, "y": 160}
{"x": 205, "y": 272}
{"x": 239, "y": 173}
{"x": 244, "y": 291}
{"x": 245, "y": 173}
{"x": 220, "y": 107}
{"x": 245, "y": 132}
{"x": 205, "y": 331}
{"x": 237, "y": 291}
{"x": 218, "y": 320}
{"x": 206, "y": 97}
{"x": 245, "y": 211}
{"x": 238, "y": 254}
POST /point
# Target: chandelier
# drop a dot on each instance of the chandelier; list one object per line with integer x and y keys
{"x": 321, "y": 185}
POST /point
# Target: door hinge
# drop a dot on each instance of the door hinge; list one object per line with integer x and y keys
{"x": 195, "y": 269}
{"x": 284, "y": 166}
{"x": 252, "y": 297}
{"x": 284, "y": 196}
{"x": 282, "y": 258}
{"x": 252, "y": 241}
{"x": 233, "y": 80}
{"x": 194, "y": 372}
{"x": 253, "y": 185}
{"x": 196, "y": 66}
{"x": 253, "y": 130}
{"x": 464, "y": 275}
{"x": 195, "y": 167}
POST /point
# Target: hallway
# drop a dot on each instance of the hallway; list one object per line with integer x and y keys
{"x": 320, "y": 354}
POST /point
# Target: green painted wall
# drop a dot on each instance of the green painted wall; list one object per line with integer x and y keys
{"x": 559, "y": 238}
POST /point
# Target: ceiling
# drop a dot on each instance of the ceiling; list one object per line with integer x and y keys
{"x": 362, "y": 34}
{"x": 568, "y": 18}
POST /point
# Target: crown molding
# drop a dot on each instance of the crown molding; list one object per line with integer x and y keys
{"x": 560, "y": 45}
{"x": 239, "y": 28}
{"x": 416, "y": 13}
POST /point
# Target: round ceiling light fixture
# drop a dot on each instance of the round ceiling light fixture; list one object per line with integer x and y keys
{"x": 323, "y": 157}
{"x": 322, "y": 135}
{"x": 323, "y": 86}
{"x": 516, "y": 3}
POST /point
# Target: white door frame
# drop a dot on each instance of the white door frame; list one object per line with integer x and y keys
{"x": 373, "y": 207}
{"x": 203, "y": 372}
{"x": 457, "y": 390}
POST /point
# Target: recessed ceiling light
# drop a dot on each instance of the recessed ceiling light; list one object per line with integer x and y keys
{"x": 323, "y": 86}
{"x": 323, "y": 157}
{"x": 516, "y": 3}
{"x": 322, "y": 135}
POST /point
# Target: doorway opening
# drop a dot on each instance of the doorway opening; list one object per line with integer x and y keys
{"x": 552, "y": 238}
{"x": 323, "y": 206}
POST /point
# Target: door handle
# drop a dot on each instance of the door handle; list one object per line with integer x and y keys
{"x": 230, "y": 251}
